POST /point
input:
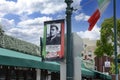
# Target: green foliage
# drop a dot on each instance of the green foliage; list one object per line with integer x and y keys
{"x": 112, "y": 70}
{"x": 1, "y": 31}
{"x": 15, "y": 44}
{"x": 105, "y": 44}
{"x": 99, "y": 48}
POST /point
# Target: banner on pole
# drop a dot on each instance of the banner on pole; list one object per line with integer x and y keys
{"x": 53, "y": 41}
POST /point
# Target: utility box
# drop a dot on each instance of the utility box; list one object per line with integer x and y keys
{"x": 77, "y": 48}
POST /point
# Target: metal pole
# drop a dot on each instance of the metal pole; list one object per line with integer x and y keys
{"x": 69, "y": 55}
{"x": 115, "y": 39}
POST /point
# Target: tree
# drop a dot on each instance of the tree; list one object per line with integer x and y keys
{"x": 1, "y": 31}
{"x": 105, "y": 44}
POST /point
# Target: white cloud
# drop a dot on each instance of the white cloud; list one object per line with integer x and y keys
{"x": 93, "y": 35}
{"x": 53, "y": 6}
{"x": 30, "y": 30}
{"x": 7, "y": 7}
{"x": 76, "y": 4}
{"x": 31, "y": 6}
{"x": 32, "y": 22}
{"x": 31, "y": 35}
{"x": 82, "y": 17}
{"x": 7, "y": 24}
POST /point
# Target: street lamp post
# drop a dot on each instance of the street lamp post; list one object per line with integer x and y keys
{"x": 69, "y": 54}
{"x": 115, "y": 39}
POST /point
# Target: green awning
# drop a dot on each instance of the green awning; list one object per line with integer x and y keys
{"x": 13, "y": 58}
{"x": 102, "y": 75}
{"x": 93, "y": 73}
{"x": 87, "y": 73}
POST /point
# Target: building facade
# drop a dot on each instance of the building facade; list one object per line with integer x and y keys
{"x": 20, "y": 60}
{"x": 89, "y": 48}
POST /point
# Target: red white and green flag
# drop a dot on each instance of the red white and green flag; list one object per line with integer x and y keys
{"x": 102, "y": 5}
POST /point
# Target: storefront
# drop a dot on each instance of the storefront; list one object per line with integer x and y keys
{"x": 48, "y": 75}
{"x": 89, "y": 73}
{"x": 19, "y": 66}
{"x": 17, "y": 73}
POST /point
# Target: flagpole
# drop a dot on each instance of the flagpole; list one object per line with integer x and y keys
{"x": 115, "y": 39}
{"x": 69, "y": 54}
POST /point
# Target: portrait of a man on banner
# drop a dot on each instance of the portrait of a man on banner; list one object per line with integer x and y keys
{"x": 53, "y": 34}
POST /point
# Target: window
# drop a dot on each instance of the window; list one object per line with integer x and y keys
{"x": 90, "y": 53}
{"x": 2, "y": 74}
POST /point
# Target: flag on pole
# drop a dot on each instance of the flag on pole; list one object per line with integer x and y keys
{"x": 102, "y": 5}
{"x": 93, "y": 19}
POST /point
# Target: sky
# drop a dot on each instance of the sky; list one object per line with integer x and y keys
{"x": 24, "y": 19}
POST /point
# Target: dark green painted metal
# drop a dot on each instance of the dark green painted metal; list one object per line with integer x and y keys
{"x": 69, "y": 54}
{"x": 115, "y": 39}
{"x": 44, "y": 42}
{"x": 13, "y": 58}
{"x": 101, "y": 75}
{"x": 87, "y": 73}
